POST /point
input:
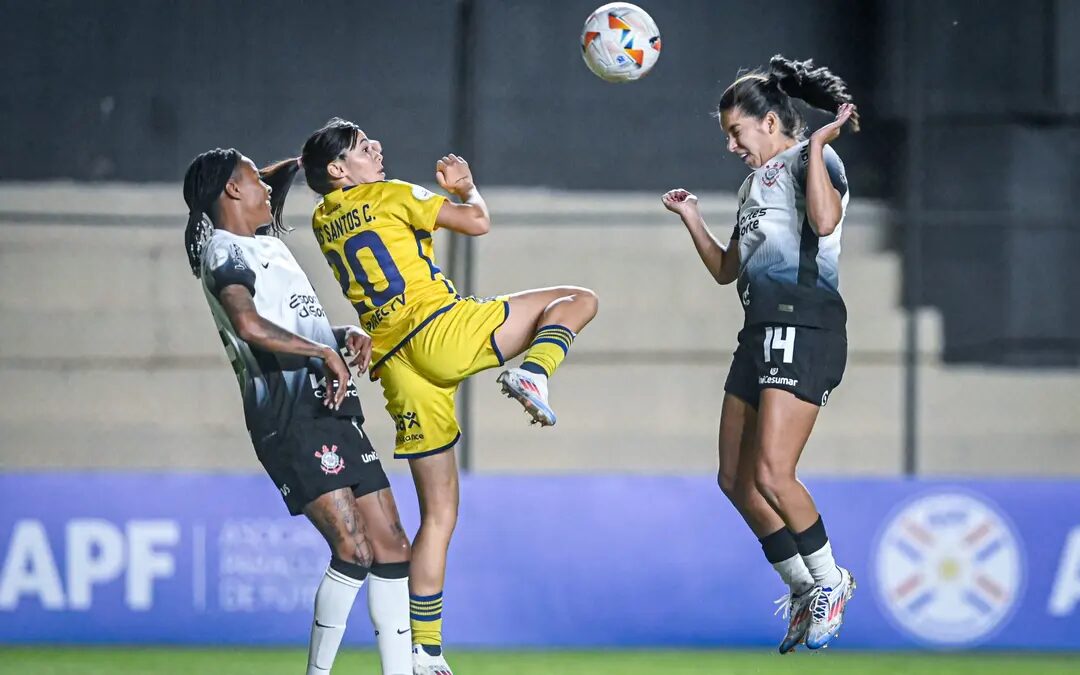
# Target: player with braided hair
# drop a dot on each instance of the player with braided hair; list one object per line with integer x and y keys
{"x": 792, "y": 350}
{"x": 300, "y": 405}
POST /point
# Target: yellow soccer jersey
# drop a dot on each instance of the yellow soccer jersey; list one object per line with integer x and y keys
{"x": 377, "y": 239}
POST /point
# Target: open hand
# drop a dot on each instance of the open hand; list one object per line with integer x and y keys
{"x": 831, "y": 131}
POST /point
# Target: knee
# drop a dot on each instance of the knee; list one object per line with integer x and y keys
{"x": 726, "y": 480}
{"x": 356, "y": 550}
{"x": 740, "y": 491}
{"x": 440, "y": 518}
{"x": 395, "y": 548}
{"x": 589, "y": 301}
{"x": 772, "y": 480}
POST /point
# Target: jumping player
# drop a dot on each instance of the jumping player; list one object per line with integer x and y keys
{"x": 376, "y": 234}
{"x": 784, "y": 253}
{"x": 300, "y": 405}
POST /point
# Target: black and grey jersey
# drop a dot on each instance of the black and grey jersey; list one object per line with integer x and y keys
{"x": 787, "y": 273}
{"x": 276, "y": 387}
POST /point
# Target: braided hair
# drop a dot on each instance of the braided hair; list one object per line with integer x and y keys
{"x": 204, "y": 181}
{"x": 203, "y": 184}
{"x": 761, "y": 91}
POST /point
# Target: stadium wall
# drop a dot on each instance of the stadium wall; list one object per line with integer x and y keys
{"x": 100, "y": 313}
{"x": 129, "y": 94}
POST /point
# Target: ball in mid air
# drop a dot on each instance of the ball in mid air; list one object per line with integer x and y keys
{"x": 620, "y": 42}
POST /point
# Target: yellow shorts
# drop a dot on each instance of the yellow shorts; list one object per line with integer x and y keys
{"x": 420, "y": 379}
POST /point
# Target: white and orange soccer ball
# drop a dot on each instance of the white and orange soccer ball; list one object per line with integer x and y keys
{"x": 620, "y": 42}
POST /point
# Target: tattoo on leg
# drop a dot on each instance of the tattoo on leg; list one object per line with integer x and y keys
{"x": 338, "y": 521}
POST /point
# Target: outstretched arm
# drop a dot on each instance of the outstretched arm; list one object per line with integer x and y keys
{"x": 721, "y": 261}
{"x": 471, "y": 216}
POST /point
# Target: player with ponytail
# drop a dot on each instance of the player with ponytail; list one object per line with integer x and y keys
{"x": 300, "y": 405}
{"x": 204, "y": 182}
{"x": 792, "y": 350}
{"x": 377, "y": 236}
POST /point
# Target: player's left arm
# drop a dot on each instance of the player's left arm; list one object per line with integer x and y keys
{"x": 358, "y": 344}
{"x": 824, "y": 206}
{"x": 471, "y": 216}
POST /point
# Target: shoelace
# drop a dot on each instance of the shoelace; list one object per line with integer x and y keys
{"x": 784, "y": 605}
{"x": 819, "y": 606}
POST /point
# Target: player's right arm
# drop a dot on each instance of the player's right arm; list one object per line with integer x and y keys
{"x": 721, "y": 261}
{"x": 252, "y": 328}
{"x": 471, "y": 216}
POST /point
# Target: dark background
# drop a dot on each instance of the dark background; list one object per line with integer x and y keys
{"x": 970, "y": 113}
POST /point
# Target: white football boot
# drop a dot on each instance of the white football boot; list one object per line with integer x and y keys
{"x": 531, "y": 391}
{"x": 426, "y": 664}
{"x": 827, "y": 611}
{"x": 796, "y": 609}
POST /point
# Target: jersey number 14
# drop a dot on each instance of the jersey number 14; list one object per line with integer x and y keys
{"x": 780, "y": 338}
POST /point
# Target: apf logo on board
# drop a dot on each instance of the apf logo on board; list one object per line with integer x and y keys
{"x": 949, "y": 568}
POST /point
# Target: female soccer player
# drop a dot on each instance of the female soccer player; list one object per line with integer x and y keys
{"x": 784, "y": 253}
{"x": 300, "y": 405}
{"x": 426, "y": 339}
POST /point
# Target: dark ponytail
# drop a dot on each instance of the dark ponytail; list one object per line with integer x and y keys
{"x": 817, "y": 87}
{"x": 759, "y": 92}
{"x": 203, "y": 183}
{"x": 337, "y": 137}
{"x": 279, "y": 176}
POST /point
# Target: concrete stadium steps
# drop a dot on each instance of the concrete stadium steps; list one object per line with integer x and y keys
{"x": 634, "y": 417}
{"x": 108, "y": 356}
{"x": 618, "y": 419}
{"x": 655, "y": 293}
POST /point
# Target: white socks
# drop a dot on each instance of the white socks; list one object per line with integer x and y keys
{"x": 794, "y": 573}
{"x": 388, "y": 604}
{"x": 822, "y": 566}
{"x": 333, "y": 601}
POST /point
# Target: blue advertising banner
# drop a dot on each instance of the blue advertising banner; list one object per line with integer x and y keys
{"x": 541, "y": 561}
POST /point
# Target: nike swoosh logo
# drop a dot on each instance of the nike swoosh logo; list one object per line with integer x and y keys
{"x": 266, "y": 265}
{"x": 402, "y": 632}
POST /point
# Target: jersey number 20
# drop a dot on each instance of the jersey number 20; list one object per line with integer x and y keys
{"x": 367, "y": 239}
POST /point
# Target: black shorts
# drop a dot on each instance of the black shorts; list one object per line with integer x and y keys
{"x": 316, "y": 455}
{"x": 808, "y": 362}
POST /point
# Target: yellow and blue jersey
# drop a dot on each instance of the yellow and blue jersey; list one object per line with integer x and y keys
{"x": 377, "y": 239}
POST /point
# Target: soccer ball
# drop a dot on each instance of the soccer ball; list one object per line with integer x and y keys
{"x": 620, "y": 42}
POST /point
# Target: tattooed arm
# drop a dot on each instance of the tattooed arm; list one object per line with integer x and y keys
{"x": 255, "y": 330}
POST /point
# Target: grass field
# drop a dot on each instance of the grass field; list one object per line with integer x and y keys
{"x": 97, "y": 661}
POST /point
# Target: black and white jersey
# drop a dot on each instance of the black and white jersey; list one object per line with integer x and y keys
{"x": 787, "y": 274}
{"x": 276, "y": 387}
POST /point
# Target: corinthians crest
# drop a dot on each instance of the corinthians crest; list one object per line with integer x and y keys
{"x": 329, "y": 460}
{"x": 771, "y": 173}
